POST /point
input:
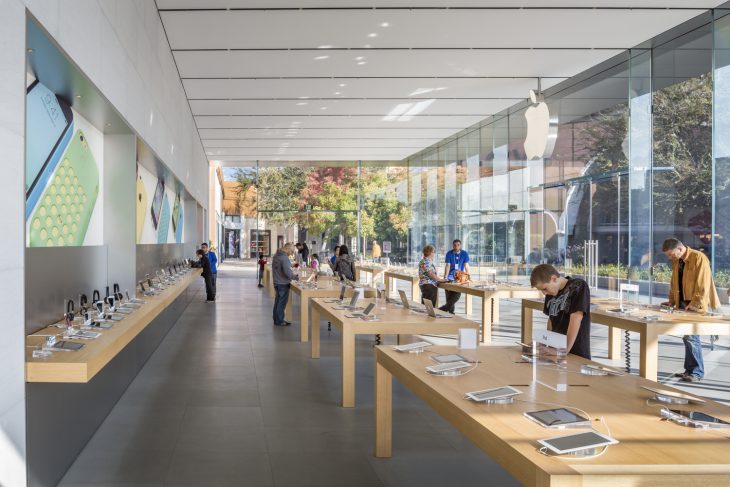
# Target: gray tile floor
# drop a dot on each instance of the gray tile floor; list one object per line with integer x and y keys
{"x": 228, "y": 399}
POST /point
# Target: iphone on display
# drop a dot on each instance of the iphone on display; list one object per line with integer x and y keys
{"x": 157, "y": 202}
{"x": 49, "y": 126}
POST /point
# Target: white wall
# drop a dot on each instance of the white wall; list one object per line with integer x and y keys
{"x": 12, "y": 222}
{"x": 120, "y": 45}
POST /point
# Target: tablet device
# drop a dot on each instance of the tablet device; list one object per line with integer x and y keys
{"x": 577, "y": 442}
{"x": 557, "y": 418}
{"x": 696, "y": 419}
{"x": 65, "y": 345}
{"x": 600, "y": 368}
{"x": 665, "y": 393}
{"x": 494, "y": 393}
{"x": 364, "y": 313}
{"x": 445, "y": 359}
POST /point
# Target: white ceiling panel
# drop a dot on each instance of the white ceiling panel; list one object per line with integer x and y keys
{"x": 455, "y": 122}
{"x": 467, "y": 28}
{"x": 397, "y": 63}
{"x": 344, "y": 154}
{"x": 337, "y": 80}
{"x": 338, "y": 133}
{"x": 231, "y": 147}
{"x": 363, "y": 88}
{"x": 372, "y": 107}
{"x": 249, "y": 4}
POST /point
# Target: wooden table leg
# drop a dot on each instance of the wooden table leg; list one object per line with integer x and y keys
{"x": 303, "y": 318}
{"x": 415, "y": 292}
{"x": 649, "y": 349}
{"x": 272, "y": 292}
{"x": 315, "y": 332}
{"x": 486, "y": 320}
{"x": 469, "y": 304}
{"x": 495, "y": 310}
{"x": 388, "y": 285}
{"x": 383, "y": 412}
{"x": 526, "y": 323}
{"x": 348, "y": 367}
{"x": 614, "y": 343}
{"x": 288, "y": 312}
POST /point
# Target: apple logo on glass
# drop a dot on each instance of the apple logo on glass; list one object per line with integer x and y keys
{"x": 542, "y": 131}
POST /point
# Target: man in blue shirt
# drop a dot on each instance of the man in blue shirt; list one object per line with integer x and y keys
{"x": 213, "y": 264}
{"x": 456, "y": 260}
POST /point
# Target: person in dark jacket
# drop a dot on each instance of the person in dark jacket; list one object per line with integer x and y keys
{"x": 282, "y": 275}
{"x": 204, "y": 263}
{"x": 345, "y": 266}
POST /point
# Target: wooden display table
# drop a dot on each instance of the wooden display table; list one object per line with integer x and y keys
{"x": 490, "y": 300}
{"x": 390, "y": 276}
{"x": 650, "y": 452}
{"x": 394, "y": 320}
{"x": 83, "y": 365}
{"x": 327, "y": 287}
{"x": 681, "y": 323}
{"x": 373, "y": 270}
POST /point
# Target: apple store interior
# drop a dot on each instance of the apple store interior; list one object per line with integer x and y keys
{"x": 365, "y": 243}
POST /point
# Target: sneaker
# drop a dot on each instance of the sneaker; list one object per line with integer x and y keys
{"x": 210, "y": 300}
{"x": 691, "y": 378}
{"x": 260, "y": 285}
{"x": 680, "y": 375}
{"x": 286, "y": 323}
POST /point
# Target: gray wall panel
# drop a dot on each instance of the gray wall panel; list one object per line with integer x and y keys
{"x": 150, "y": 257}
{"x": 53, "y": 445}
{"x": 56, "y": 274}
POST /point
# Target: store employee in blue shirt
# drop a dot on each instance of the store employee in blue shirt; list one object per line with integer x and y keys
{"x": 456, "y": 260}
{"x": 213, "y": 263}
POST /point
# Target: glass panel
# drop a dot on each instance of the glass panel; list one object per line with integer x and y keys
{"x": 721, "y": 232}
{"x": 682, "y": 128}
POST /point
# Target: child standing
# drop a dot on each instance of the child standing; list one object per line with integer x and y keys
{"x": 315, "y": 263}
{"x": 262, "y": 264}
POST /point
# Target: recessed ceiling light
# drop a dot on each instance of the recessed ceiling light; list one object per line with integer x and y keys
{"x": 323, "y": 108}
{"x": 325, "y": 46}
{"x": 301, "y": 103}
{"x": 372, "y": 34}
{"x": 367, "y": 46}
{"x": 385, "y": 24}
{"x": 319, "y": 58}
{"x": 359, "y": 58}
{"x": 338, "y": 93}
{"x": 361, "y": 63}
{"x": 304, "y": 98}
{"x": 296, "y": 122}
{"x": 342, "y": 85}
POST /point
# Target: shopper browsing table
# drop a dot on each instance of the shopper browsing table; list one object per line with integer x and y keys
{"x": 456, "y": 260}
{"x": 282, "y": 275}
{"x": 213, "y": 264}
{"x": 567, "y": 305}
{"x": 428, "y": 278}
{"x": 692, "y": 289}
{"x": 207, "y": 275}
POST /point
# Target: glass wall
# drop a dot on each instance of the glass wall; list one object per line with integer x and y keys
{"x": 641, "y": 154}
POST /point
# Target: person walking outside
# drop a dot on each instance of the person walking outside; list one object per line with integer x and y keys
{"x": 692, "y": 289}
{"x": 377, "y": 251}
{"x": 345, "y": 266}
{"x": 262, "y": 265}
{"x": 283, "y": 275}
{"x": 213, "y": 265}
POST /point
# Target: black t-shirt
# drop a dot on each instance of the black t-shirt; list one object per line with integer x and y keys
{"x": 575, "y": 296}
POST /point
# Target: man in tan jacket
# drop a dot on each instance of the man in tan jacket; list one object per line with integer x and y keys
{"x": 692, "y": 289}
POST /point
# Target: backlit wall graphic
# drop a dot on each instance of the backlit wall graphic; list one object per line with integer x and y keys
{"x": 64, "y": 170}
{"x": 159, "y": 209}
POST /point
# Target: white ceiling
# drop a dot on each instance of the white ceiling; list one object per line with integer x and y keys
{"x": 315, "y": 79}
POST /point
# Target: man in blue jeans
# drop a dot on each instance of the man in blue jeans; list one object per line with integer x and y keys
{"x": 693, "y": 289}
{"x": 213, "y": 264}
{"x": 282, "y": 275}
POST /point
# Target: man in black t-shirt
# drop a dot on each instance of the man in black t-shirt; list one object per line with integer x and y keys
{"x": 567, "y": 305}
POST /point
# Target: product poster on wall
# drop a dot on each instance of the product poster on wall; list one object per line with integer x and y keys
{"x": 159, "y": 218}
{"x": 64, "y": 170}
